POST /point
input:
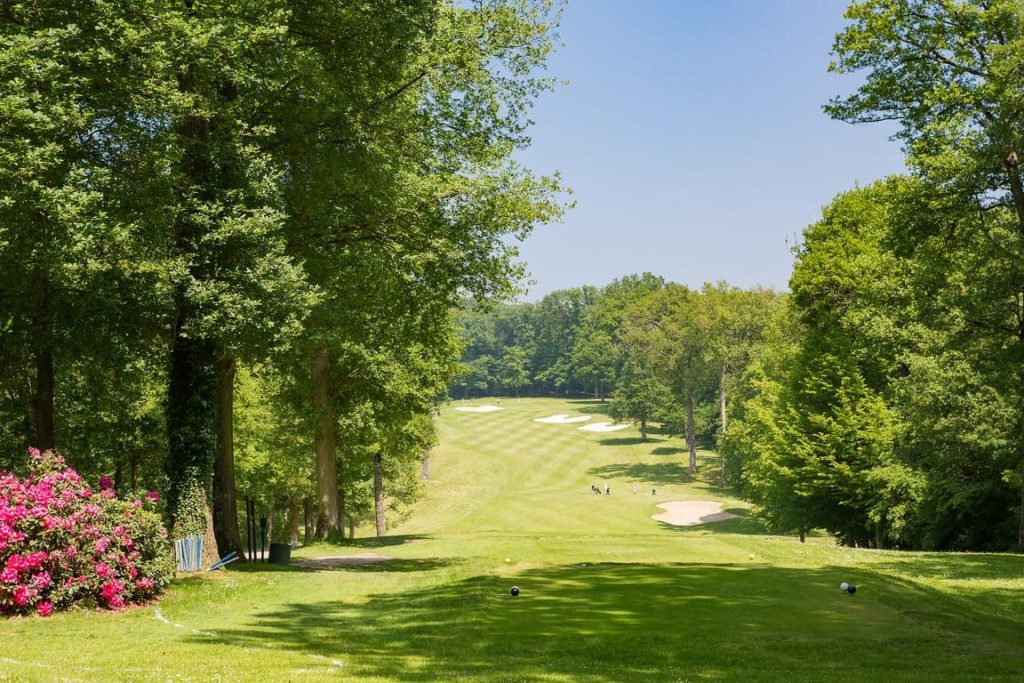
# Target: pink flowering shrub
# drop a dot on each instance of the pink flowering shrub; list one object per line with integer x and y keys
{"x": 63, "y": 544}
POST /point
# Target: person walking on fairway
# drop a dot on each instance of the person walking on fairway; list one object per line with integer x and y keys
{"x": 607, "y": 490}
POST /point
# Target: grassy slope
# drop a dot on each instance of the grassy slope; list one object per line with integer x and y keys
{"x": 608, "y": 593}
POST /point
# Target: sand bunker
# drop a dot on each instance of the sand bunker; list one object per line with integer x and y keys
{"x": 692, "y": 512}
{"x": 562, "y": 419}
{"x": 603, "y": 427}
{"x": 337, "y": 562}
{"x": 478, "y": 409}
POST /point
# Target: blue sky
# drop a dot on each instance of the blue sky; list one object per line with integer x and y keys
{"x": 692, "y": 134}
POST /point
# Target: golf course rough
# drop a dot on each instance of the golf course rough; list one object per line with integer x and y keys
{"x": 608, "y": 594}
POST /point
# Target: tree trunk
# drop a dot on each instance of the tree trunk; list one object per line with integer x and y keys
{"x": 378, "y": 493}
{"x": 308, "y": 520}
{"x": 134, "y": 463}
{"x": 192, "y": 377}
{"x": 425, "y": 467}
{"x": 342, "y": 512}
{"x": 250, "y": 527}
{"x": 721, "y": 395}
{"x": 643, "y": 429}
{"x": 1012, "y": 166}
{"x": 1020, "y": 521}
{"x": 328, "y": 520}
{"x": 191, "y": 437}
{"x": 691, "y": 436}
{"x": 225, "y": 506}
{"x": 270, "y": 526}
{"x": 293, "y": 522}
{"x": 118, "y": 474}
{"x": 351, "y": 526}
{"x": 209, "y": 540}
{"x": 42, "y": 401}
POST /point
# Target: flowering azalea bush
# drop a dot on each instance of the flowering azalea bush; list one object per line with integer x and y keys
{"x": 62, "y": 543}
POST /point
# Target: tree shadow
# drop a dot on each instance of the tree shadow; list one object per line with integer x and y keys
{"x": 387, "y": 566}
{"x": 628, "y": 622}
{"x": 627, "y": 441}
{"x": 668, "y": 450}
{"x": 368, "y": 542}
{"x": 384, "y": 541}
{"x": 658, "y": 474}
{"x": 589, "y": 407}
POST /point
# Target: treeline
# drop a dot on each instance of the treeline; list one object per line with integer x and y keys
{"x": 232, "y": 233}
{"x": 887, "y": 405}
{"x": 663, "y": 352}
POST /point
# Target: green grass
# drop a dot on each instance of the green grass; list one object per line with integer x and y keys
{"x": 608, "y": 594}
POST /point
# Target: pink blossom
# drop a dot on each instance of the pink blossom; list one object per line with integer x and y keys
{"x": 42, "y": 580}
{"x": 145, "y": 584}
{"x": 70, "y": 552}
{"x": 103, "y": 570}
{"x": 21, "y": 595}
{"x": 107, "y": 493}
{"x": 34, "y": 453}
{"x": 8, "y": 575}
{"x": 100, "y": 546}
{"x": 35, "y": 560}
{"x": 152, "y": 496}
{"x": 45, "y": 608}
{"x": 136, "y": 504}
{"x": 106, "y": 482}
{"x": 111, "y": 592}
{"x": 86, "y": 493}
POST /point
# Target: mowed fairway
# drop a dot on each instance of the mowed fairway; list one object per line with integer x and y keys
{"x": 608, "y": 594}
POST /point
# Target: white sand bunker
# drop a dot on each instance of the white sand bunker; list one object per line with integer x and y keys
{"x": 478, "y": 409}
{"x": 692, "y": 512}
{"x": 562, "y": 419}
{"x": 603, "y": 427}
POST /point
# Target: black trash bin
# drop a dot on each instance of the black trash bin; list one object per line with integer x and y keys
{"x": 280, "y": 553}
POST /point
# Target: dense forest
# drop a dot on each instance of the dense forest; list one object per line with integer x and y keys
{"x": 231, "y": 234}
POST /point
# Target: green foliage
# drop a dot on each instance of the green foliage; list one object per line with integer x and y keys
{"x": 948, "y": 74}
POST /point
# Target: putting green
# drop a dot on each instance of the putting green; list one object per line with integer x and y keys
{"x": 608, "y": 594}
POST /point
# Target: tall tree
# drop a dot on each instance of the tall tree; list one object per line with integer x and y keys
{"x": 948, "y": 73}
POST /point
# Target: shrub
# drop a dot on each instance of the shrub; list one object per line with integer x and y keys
{"x": 64, "y": 544}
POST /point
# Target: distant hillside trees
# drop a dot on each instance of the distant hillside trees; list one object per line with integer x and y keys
{"x": 665, "y": 353}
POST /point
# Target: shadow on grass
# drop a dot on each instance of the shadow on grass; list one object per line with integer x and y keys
{"x": 380, "y": 566}
{"x": 589, "y": 407}
{"x": 383, "y": 541}
{"x": 367, "y": 542}
{"x": 658, "y": 474}
{"x": 627, "y": 441}
{"x": 623, "y": 622}
{"x": 667, "y": 450}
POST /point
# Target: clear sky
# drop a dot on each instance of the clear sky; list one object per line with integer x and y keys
{"x": 692, "y": 134}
